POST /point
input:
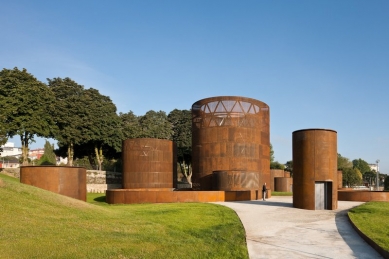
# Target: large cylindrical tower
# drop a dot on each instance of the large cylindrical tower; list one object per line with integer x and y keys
{"x": 148, "y": 163}
{"x": 315, "y": 172}
{"x": 230, "y": 133}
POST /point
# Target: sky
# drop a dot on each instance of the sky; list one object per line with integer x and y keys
{"x": 317, "y": 64}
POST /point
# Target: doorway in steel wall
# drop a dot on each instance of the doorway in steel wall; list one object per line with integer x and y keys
{"x": 323, "y": 195}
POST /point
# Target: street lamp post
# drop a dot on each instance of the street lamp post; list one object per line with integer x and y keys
{"x": 378, "y": 176}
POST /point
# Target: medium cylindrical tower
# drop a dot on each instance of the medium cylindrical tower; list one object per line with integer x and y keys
{"x": 230, "y": 133}
{"x": 315, "y": 172}
{"x": 148, "y": 163}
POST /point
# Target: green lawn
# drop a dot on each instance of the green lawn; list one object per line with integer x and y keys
{"x": 281, "y": 193}
{"x": 39, "y": 224}
{"x": 372, "y": 219}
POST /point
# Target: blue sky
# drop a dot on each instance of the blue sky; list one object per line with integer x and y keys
{"x": 317, "y": 64}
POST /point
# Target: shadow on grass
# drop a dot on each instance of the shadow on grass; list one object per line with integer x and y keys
{"x": 100, "y": 199}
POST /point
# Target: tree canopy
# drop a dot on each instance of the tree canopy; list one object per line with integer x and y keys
{"x": 351, "y": 177}
{"x": 361, "y": 165}
{"x": 69, "y": 113}
{"x": 155, "y": 125}
{"x": 27, "y": 106}
{"x": 343, "y": 162}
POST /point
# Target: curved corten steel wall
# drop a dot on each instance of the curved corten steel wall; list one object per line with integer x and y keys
{"x": 283, "y": 184}
{"x": 275, "y": 173}
{"x": 148, "y": 163}
{"x": 355, "y": 195}
{"x": 235, "y": 180}
{"x": 229, "y": 133}
{"x": 314, "y": 163}
{"x": 68, "y": 181}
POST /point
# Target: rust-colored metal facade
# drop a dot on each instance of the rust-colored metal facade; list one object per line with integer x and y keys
{"x": 236, "y": 180}
{"x": 340, "y": 179}
{"x": 314, "y": 163}
{"x": 273, "y": 174}
{"x": 230, "y": 133}
{"x": 68, "y": 181}
{"x": 148, "y": 163}
{"x": 283, "y": 184}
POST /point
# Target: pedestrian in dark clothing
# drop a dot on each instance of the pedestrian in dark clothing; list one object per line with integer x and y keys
{"x": 264, "y": 191}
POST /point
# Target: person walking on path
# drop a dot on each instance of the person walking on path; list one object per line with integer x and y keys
{"x": 264, "y": 191}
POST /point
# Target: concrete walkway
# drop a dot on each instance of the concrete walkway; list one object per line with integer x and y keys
{"x": 274, "y": 229}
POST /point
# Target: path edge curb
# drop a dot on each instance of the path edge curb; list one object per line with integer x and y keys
{"x": 374, "y": 245}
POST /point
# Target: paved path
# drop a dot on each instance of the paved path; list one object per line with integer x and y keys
{"x": 274, "y": 229}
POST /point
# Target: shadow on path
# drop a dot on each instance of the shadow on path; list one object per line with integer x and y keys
{"x": 267, "y": 203}
{"x": 350, "y": 236}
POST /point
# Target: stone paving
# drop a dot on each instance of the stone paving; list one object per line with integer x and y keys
{"x": 274, "y": 229}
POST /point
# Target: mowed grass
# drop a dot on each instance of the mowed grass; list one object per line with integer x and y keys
{"x": 35, "y": 223}
{"x": 281, "y": 193}
{"x": 372, "y": 219}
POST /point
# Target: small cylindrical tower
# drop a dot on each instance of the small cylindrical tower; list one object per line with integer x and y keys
{"x": 315, "y": 172}
{"x": 148, "y": 163}
{"x": 230, "y": 134}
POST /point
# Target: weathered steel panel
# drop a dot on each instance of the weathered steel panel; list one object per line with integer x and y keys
{"x": 148, "y": 163}
{"x": 229, "y": 133}
{"x": 68, "y": 181}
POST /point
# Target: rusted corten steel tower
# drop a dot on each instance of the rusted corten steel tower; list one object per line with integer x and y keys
{"x": 148, "y": 163}
{"x": 315, "y": 171}
{"x": 230, "y": 143}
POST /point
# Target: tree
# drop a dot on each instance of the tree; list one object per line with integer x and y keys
{"x": 181, "y": 121}
{"x": 27, "y": 106}
{"x": 103, "y": 127}
{"x": 386, "y": 183}
{"x": 351, "y": 177}
{"x": 130, "y": 126}
{"x": 361, "y": 165}
{"x": 277, "y": 165}
{"x": 274, "y": 164}
{"x": 48, "y": 157}
{"x": 343, "y": 162}
{"x": 155, "y": 125}
{"x": 69, "y": 114}
{"x": 271, "y": 153}
{"x": 289, "y": 167}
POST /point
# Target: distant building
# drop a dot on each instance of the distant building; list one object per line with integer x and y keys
{"x": 11, "y": 162}
{"x": 374, "y": 167}
{"x": 9, "y": 149}
{"x": 36, "y": 153}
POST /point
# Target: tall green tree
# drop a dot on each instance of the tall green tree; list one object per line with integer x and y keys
{"x": 181, "y": 121}
{"x": 155, "y": 125}
{"x": 386, "y": 183}
{"x": 69, "y": 113}
{"x": 27, "y": 106}
{"x": 351, "y": 177}
{"x": 271, "y": 153}
{"x": 48, "y": 157}
{"x": 274, "y": 164}
{"x": 130, "y": 126}
{"x": 361, "y": 165}
{"x": 103, "y": 127}
{"x": 289, "y": 167}
{"x": 343, "y": 162}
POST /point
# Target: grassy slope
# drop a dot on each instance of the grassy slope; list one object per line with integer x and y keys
{"x": 35, "y": 223}
{"x": 372, "y": 219}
